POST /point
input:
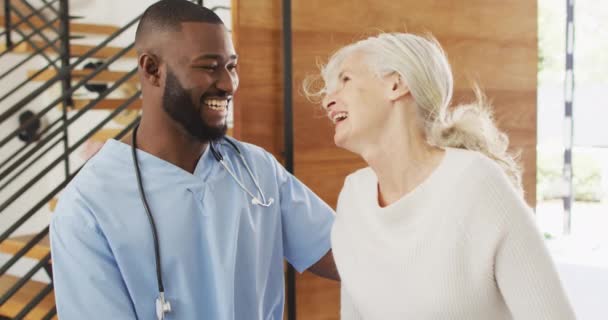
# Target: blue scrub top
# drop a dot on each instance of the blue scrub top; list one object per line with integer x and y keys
{"x": 222, "y": 256}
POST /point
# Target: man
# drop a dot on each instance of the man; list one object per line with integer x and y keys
{"x": 222, "y": 228}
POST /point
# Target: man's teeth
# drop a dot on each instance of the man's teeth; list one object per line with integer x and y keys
{"x": 339, "y": 116}
{"x": 217, "y": 104}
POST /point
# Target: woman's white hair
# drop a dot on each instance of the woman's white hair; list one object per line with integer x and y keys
{"x": 423, "y": 66}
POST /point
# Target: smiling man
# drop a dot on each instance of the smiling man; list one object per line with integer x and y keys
{"x": 177, "y": 221}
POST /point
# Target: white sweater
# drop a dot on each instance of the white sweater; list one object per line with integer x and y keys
{"x": 462, "y": 245}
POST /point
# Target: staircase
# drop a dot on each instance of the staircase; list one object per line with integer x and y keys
{"x": 59, "y": 118}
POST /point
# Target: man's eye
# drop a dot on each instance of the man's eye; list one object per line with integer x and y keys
{"x": 209, "y": 68}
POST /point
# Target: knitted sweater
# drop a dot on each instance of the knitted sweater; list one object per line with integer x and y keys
{"x": 462, "y": 245}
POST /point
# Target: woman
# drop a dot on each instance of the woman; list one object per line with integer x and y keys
{"x": 436, "y": 227}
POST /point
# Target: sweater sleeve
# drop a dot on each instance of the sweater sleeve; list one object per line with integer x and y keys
{"x": 524, "y": 270}
{"x": 348, "y": 311}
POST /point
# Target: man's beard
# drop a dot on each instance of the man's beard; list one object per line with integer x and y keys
{"x": 178, "y": 104}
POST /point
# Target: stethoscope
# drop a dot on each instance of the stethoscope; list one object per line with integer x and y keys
{"x": 163, "y": 306}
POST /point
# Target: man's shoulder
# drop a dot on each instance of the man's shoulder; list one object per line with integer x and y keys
{"x": 99, "y": 180}
{"x": 102, "y": 172}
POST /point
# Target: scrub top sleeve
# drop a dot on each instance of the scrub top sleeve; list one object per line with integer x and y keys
{"x": 88, "y": 283}
{"x": 306, "y": 221}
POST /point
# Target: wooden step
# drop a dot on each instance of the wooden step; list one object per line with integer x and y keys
{"x": 14, "y": 305}
{"x": 13, "y": 245}
{"x": 107, "y": 104}
{"x": 103, "y": 77}
{"x": 53, "y": 204}
{"x": 75, "y": 27}
{"x": 91, "y": 28}
{"x": 76, "y": 50}
{"x": 104, "y": 135}
{"x": 24, "y": 11}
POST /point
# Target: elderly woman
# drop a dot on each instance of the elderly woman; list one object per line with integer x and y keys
{"x": 436, "y": 226}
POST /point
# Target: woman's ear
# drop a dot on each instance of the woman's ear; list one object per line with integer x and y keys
{"x": 149, "y": 64}
{"x": 396, "y": 87}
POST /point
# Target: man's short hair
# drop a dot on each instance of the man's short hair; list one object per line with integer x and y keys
{"x": 168, "y": 15}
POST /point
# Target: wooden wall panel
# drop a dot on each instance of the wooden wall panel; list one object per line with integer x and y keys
{"x": 258, "y": 116}
{"x": 491, "y": 42}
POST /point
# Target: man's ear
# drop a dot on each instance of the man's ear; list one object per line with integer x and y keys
{"x": 149, "y": 65}
{"x": 396, "y": 87}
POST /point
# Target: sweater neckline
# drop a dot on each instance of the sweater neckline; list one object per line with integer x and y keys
{"x": 419, "y": 194}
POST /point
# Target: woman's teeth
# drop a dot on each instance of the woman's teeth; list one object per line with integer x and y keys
{"x": 339, "y": 116}
{"x": 217, "y": 104}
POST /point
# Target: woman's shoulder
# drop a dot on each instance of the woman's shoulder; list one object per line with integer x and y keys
{"x": 475, "y": 163}
{"x": 484, "y": 184}
{"x": 490, "y": 182}
{"x": 476, "y": 173}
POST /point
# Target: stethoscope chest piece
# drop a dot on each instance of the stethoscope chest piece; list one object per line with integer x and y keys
{"x": 162, "y": 306}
